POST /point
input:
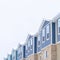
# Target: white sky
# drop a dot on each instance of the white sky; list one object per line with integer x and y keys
{"x": 20, "y": 17}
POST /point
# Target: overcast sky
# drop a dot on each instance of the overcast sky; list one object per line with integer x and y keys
{"x": 18, "y": 18}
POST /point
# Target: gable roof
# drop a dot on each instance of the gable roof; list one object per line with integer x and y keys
{"x": 28, "y": 37}
{"x": 56, "y": 17}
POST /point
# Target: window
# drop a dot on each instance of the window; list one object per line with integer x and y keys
{"x": 45, "y": 54}
{"x": 31, "y": 41}
{"x": 43, "y": 35}
{"x": 21, "y": 48}
{"x": 59, "y": 26}
{"x": 47, "y": 32}
{"x": 28, "y": 43}
{"x": 39, "y": 40}
{"x": 26, "y": 47}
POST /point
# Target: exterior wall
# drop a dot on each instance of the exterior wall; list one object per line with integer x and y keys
{"x": 51, "y": 53}
{"x": 33, "y": 57}
{"x": 9, "y": 57}
{"x": 5, "y": 58}
{"x": 58, "y": 51}
{"x": 57, "y": 36}
{"x": 46, "y": 42}
{"x": 20, "y": 52}
{"x": 36, "y": 49}
{"x": 29, "y": 46}
{"x": 32, "y": 48}
{"x": 14, "y": 55}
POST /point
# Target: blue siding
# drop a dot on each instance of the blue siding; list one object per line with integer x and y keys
{"x": 45, "y": 23}
{"x": 47, "y": 42}
{"x": 30, "y": 48}
{"x": 14, "y": 55}
{"x": 21, "y": 53}
{"x": 9, "y": 57}
{"x": 58, "y": 38}
{"x": 53, "y": 33}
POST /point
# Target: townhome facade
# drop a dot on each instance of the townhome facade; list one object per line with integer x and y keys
{"x": 21, "y": 52}
{"x": 5, "y": 58}
{"x": 14, "y": 54}
{"x": 44, "y": 45}
{"x": 9, "y": 57}
{"x": 31, "y": 48}
{"x": 46, "y": 48}
{"x": 57, "y": 30}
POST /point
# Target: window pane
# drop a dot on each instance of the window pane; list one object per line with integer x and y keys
{"x": 47, "y": 29}
{"x": 47, "y": 35}
{"x": 45, "y": 54}
{"x": 31, "y": 41}
{"x": 26, "y": 47}
{"x": 43, "y": 38}
{"x": 43, "y": 35}
{"x": 58, "y": 25}
{"x": 39, "y": 40}
{"x": 59, "y": 29}
{"x": 43, "y": 32}
{"x": 28, "y": 43}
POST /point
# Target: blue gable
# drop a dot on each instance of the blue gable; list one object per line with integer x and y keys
{"x": 45, "y": 23}
{"x": 14, "y": 55}
{"x": 30, "y": 45}
{"x": 20, "y": 52}
{"x": 9, "y": 57}
{"x": 46, "y": 42}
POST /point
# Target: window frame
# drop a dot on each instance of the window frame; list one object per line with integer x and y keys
{"x": 58, "y": 26}
{"x": 43, "y": 32}
{"x": 45, "y": 54}
{"x": 48, "y": 26}
{"x": 31, "y": 42}
{"x": 39, "y": 40}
